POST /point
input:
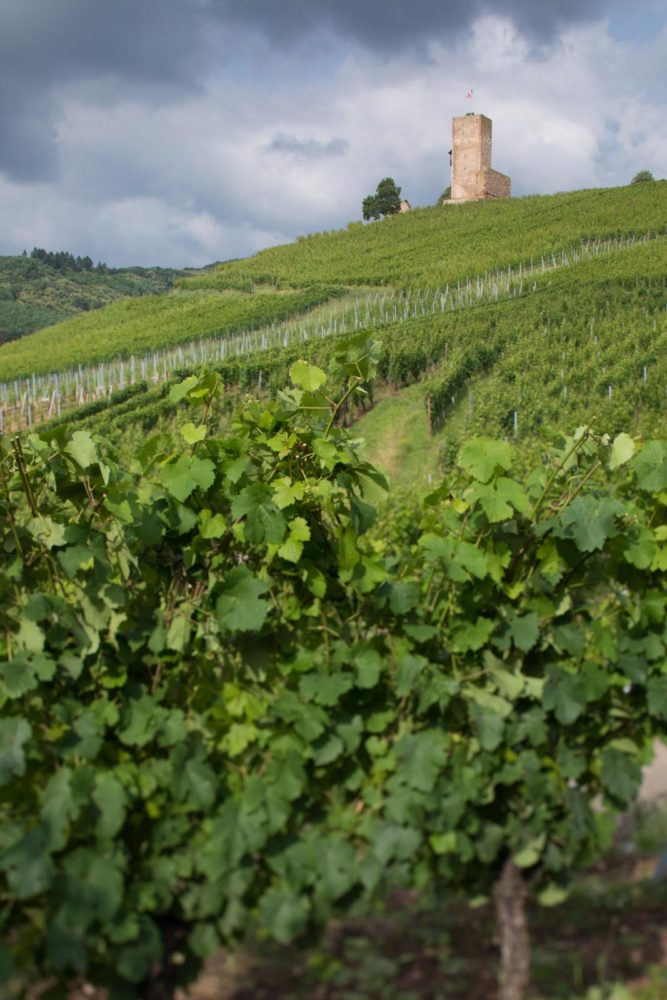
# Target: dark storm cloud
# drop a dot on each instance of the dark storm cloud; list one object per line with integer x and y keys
{"x": 391, "y": 25}
{"x": 308, "y": 149}
{"x": 167, "y": 46}
{"x": 46, "y": 44}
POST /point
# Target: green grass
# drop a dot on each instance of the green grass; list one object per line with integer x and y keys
{"x": 397, "y": 440}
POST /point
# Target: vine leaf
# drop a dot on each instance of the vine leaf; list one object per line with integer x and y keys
{"x": 283, "y": 914}
{"x": 28, "y": 864}
{"x": 563, "y": 696}
{"x": 590, "y": 521}
{"x": 620, "y": 775}
{"x": 650, "y": 467}
{"x": 187, "y": 473}
{"x": 292, "y": 547}
{"x": 481, "y": 457}
{"x": 82, "y": 448}
{"x": 240, "y": 607}
{"x": 264, "y": 522}
{"x": 110, "y": 798}
{"x": 525, "y": 631}
{"x": 14, "y": 733}
{"x": 307, "y": 377}
{"x": 622, "y": 450}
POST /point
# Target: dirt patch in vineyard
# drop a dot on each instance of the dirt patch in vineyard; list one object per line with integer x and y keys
{"x": 609, "y": 933}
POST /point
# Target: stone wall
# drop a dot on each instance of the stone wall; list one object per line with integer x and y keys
{"x": 494, "y": 184}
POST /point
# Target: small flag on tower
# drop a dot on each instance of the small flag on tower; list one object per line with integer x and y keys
{"x": 469, "y": 96}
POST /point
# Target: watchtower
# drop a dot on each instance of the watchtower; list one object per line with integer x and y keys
{"x": 472, "y": 174}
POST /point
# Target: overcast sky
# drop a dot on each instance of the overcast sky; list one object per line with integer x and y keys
{"x": 179, "y": 132}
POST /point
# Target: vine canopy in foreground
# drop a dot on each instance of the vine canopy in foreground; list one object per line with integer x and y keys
{"x": 228, "y": 706}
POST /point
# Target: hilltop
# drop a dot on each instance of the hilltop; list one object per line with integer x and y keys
{"x": 515, "y": 318}
{"x": 433, "y": 246}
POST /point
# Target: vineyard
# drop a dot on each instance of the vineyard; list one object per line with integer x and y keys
{"x": 439, "y": 246}
{"x": 250, "y": 686}
{"x": 427, "y": 314}
{"x": 144, "y": 325}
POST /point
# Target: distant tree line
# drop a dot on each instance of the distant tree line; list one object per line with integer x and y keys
{"x": 61, "y": 260}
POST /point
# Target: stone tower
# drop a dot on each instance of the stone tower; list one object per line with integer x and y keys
{"x": 472, "y": 174}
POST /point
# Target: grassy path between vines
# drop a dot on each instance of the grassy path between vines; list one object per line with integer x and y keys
{"x": 396, "y": 437}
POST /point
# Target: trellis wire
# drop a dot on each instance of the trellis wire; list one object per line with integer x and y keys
{"x": 38, "y": 397}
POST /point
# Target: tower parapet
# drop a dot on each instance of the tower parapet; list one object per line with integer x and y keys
{"x": 472, "y": 174}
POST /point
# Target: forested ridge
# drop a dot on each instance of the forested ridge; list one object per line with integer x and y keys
{"x": 46, "y": 287}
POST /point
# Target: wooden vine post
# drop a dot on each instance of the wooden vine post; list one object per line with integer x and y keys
{"x": 510, "y": 895}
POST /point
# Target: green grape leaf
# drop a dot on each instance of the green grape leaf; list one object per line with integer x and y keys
{"x": 286, "y": 492}
{"x": 283, "y": 914}
{"x": 656, "y": 691}
{"x": 241, "y": 607}
{"x": 186, "y": 474}
{"x": 421, "y": 757}
{"x": 329, "y": 752}
{"x": 404, "y": 596}
{"x": 481, "y": 457}
{"x": 306, "y": 376}
{"x": 212, "y": 525}
{"x": 499, "y": 499}
{"x": 620, "y": 774}
{"x": 204, "y": 940}
{"x": 82, "y": 448}
{"x": 325, "y": 689}
{"x": 28, "y": 864}
{"x": 195, "y": 783}
{"x": 292, "y": 547}
{"x": 57, "y": 807}
{"x": 490, "y": 726}
{"x": 193, "y": 434}
{"x": 180, "y": 391}
{"x": 111, "y": 799}
{"x": 263, "y": 520}
{"x": 368, "y": 663}
{"x": 553, "y": 894}
{"x": 590, "y": 521}
{"x": 650, "y": 467}
{"x": 134, "y": 960}
{"x": 14, "y": 733}
{"x": 622, "y": 450}
{"x": 531, "y": 853}
{"x": 143, "y": 722}
{"x": 473, "y": 635}
{"x": 525, "y": 631}
{"x": 563, "y": 696}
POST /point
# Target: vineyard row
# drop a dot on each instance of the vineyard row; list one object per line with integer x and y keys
{"x": 24, "y": 402}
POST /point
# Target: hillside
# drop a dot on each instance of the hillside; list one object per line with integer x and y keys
{"x": 35, "y": 295}
{"x": 515, "y": 318}
{"x": 434, "y": 246}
